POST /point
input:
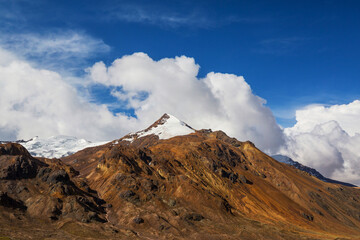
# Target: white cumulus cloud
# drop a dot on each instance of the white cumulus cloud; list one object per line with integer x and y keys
{"x": 218, "y": 101}
{"x": 346, "y": 115}
{"x": 41, "y": 102}
{"x": 328, "y": 139}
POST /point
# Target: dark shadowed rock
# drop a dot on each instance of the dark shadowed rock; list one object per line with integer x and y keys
{"x": 226, "y": 206}
{"x": 307, "y": 216}
{"x": 233, "y": 177}
{"x": 18, "y": 167}
{"x": 130, "y": 196}
{"x": 58, "y": 176}
{"x": 17, "y": 163}
{"x": 127, "y": 194}
{"x": 193, "y": 217}
{"x": 224, "y": 174}
{"x": 9, "y": 202}
{"x": 43, "y": 173}
{"x": 138, "y": 220}
{"x": 109, "y": 205}
{"x": 243, "y": 179}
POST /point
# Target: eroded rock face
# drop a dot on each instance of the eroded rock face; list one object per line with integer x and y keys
{"x": 9, "y": 202}
{"x": 193, "y": 184}
{"x": 58, "y": 176}
{"x": 44, "y": 189}
{"x": 13, "y": 149}
{"x": 20, "y": 167}
{"x": 17, "y": 163}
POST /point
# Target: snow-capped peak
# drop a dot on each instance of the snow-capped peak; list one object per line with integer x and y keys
{"x": 166, "y": 127}
{"x": 57, "y": 146}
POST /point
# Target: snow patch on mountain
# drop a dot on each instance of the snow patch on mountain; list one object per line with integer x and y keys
{"x": 57, "y": 146}
{"x": 166, "y": 127}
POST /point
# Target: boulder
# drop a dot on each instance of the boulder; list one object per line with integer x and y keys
{"x": 243, "y": 179}
{"x": 193, "y": 217}
{"x": 138, "y": 220}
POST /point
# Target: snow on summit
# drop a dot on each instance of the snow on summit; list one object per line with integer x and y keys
{"x": 166, "y": 127}
{"x": 57, "y": 146}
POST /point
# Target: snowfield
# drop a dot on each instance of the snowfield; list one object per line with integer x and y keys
{"x": 57, "y": 146}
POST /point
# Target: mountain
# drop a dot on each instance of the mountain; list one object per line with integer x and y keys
{"x": 170, "y": 184}
{"x": 36, "y": 193}
{"x": 313, "y": 172}
{"x": 56, "y": 146}
{"x": 166, "y": 127}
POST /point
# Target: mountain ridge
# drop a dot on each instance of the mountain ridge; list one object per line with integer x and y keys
{"x": 203, "y": 185}
{"x": 220, "y": 177}
{"x": 312, "y": 171}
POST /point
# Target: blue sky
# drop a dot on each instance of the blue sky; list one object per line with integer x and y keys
{"x": 292, "y": 53}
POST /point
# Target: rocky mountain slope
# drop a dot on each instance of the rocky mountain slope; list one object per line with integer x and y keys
{"x": 312, "y": 171}
{"x": 39, "y": 198}
{"x": 202, "y": 185}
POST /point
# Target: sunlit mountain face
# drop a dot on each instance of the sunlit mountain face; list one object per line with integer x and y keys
{"x": 201, "y": 182}
{"x": 81, "y": 84}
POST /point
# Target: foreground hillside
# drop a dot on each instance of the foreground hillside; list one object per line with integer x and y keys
{"x": 156, "y": 185}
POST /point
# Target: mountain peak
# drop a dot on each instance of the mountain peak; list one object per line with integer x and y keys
{"x": 164, "y": 118}
{"x": 165, "y": 127}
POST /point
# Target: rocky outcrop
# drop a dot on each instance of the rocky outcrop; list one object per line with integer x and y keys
{"x": 17, "y": 163}
{"x": 9, "y": 202}
{"x": 44, "y": 190}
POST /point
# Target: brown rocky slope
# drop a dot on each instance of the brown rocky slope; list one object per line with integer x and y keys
{"x": 204, "y": 185}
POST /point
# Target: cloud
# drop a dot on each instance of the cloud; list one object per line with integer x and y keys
{"x": 6, "y": 57}
{"x": 157, "y": 15}
{"x": 281, "y": 46}
{"x": 54, "y": 50}
{"x": 327, "y": 138}
{"x": 182, "y": 14}
{"x": 35, "y": 101}
{"x": 218, "y": 101}
{"x": 40, "y": 102}
{"x": 346, "y": 115}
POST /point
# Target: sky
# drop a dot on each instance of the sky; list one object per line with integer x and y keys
{"x": 283, "y": 74}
